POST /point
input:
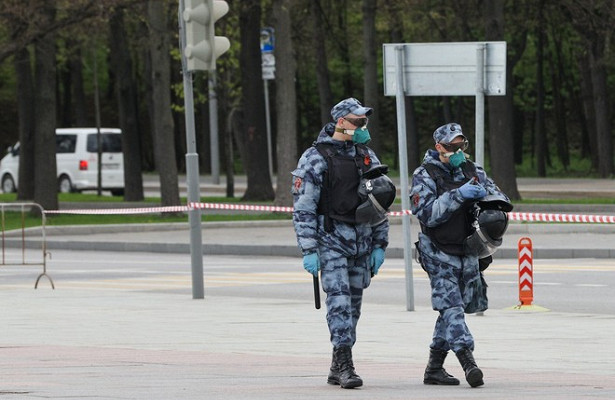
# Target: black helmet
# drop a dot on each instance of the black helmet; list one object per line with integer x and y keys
{"x": 490, "y": 227}
{"x": 495, "y": 201}
{"x": 376, "y": 194}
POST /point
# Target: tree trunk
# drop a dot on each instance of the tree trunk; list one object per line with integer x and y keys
{"x": 127, "y": 107}
{"x": 344, "y": 48}
{"x": 394, "y": 12}
{"x": 500, "y": 114}
{"x": 603, "y": 126}
{"x": 164, "y": 144}
{"x": 45, "y": 168}
{"x": 255, "y": 138}
{"x": 322, "y": 70}
{"x": 541, "y": 134}
{"x": 66, "y": 95}
{"x": 79, "y": 104}
{"x": 557, "y": 80}
{"x": 286, "y": 101}
{"x": 370, "y": 74}
{"x": 26, "y": 113}
{"x": 590, "y": 142}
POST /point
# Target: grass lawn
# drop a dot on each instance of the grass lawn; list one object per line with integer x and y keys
{"x": 12, "y": 218}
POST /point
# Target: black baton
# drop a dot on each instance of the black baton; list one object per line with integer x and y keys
{"x": 316, "y": 293}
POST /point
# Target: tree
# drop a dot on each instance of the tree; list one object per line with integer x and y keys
{"x": 286, "y": 100}
{"x": 25, "y": 100}
{"x": 162, "y": 120}
{"x": 560, "y": 38}
{"x": 127, "y": 106}
{"x": 370, "y": 73}
{"x": 254, "y": 134}
{"x": 500, "y": 114}
{"x": 540, "y": 149}
{"x": 594, "y": 21}
{"x": 45, "y": 181}
{"x": 413, "y": 147}
{"x": 322, "y": 71}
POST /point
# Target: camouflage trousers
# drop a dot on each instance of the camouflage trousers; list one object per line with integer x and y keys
{"x": 343, "y": 280}
{"x": 446, "y": 279}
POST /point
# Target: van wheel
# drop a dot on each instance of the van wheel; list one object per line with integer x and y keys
{"x": 8, "y": 184}
{"x": 65, "y": 185}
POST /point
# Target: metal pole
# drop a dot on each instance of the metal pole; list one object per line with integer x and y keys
{"x": 192, "y": 171}
{"x": 98, "y": 137}
{"x": 480, "y": 104}
{"x": 403, "y": 174}
{"x": 213, "y": 128}
{"x": 269, "y": 147}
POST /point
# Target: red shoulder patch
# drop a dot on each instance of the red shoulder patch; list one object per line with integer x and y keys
{"x": 297, "y": 184}
{"x": 415, "y": 199}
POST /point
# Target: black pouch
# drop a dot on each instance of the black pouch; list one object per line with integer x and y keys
{"x": 483, "y": 263}
{"x": 417, "y": 255}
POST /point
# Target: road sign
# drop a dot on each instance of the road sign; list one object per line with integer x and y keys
{"x": 445, "y": 69}
{"x": 267, "y": 56}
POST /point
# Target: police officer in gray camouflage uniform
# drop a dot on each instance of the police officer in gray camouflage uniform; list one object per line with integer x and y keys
{"x": 347, "y": 252}
{"x": 444, "y": 188}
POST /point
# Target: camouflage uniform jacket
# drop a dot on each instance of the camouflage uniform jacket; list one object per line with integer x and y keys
{"x": 432, "y": 210}
{"x": 349, "y": 240}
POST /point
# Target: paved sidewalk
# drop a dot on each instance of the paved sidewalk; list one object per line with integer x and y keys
{"x": 147, "y": 345}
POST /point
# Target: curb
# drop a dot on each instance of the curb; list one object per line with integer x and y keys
{"x": 281, "y": 250}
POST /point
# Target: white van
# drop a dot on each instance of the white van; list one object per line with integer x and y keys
{"x": 77, "y": 161}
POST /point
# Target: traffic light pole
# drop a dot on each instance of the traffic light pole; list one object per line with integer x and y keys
{"x": 213, "y": 128}
{"x": 192, "y": 171}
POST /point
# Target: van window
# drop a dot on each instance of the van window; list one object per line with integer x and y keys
{"x": 65, "y": 143}
{"x": 111, "y": 143}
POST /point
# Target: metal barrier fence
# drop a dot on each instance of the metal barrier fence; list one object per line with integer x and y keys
{"x": 24, "y": 208}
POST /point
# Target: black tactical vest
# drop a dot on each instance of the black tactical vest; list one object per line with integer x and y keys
{"x": 338, "y": 197}
{"x": 450, "y": 235}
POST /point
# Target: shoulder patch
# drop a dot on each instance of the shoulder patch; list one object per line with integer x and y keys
{"x": 415, "y": 199}
{"x": 297, "y": 183}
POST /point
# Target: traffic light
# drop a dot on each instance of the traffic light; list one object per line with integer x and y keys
{"x": 203, "y": 47}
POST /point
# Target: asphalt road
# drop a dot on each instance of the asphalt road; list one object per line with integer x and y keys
{"x": 576, "y": 285}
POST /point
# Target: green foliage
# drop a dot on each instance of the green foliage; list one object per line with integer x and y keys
{"x": 13, "y": 220}
{"x": 86, "y": 36}
{"x": 579, "y": 167}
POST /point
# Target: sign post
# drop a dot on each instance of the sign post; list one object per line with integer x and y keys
{"x": 420, "y": 69}
{"x": 268, "y": 67}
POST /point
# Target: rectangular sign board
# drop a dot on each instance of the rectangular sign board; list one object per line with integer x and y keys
{"x": 445, "y": 69}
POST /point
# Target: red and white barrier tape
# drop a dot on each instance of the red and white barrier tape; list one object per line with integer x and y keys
{"x": 239, "y": 207}
{"x": 577, "y": 218}
{"x": 149, "y": 210}
{"x": 512, "y": 216}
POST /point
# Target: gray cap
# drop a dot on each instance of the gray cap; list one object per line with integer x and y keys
{"x": 446, "y": 133}
{"x": 348, "y": 106}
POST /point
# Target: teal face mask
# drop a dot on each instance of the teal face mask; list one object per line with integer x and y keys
{"x": 457, "y": 159}
{"x": 361, "y": 136}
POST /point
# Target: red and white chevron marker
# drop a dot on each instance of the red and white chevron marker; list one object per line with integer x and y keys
{"x": 526, "y": 273}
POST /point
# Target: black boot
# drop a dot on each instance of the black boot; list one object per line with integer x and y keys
{"x": 348, "y": 378}
{"x": 334, "y": 372}
{"x": 435, "y": 374}
{"x": 474, "y": 375}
